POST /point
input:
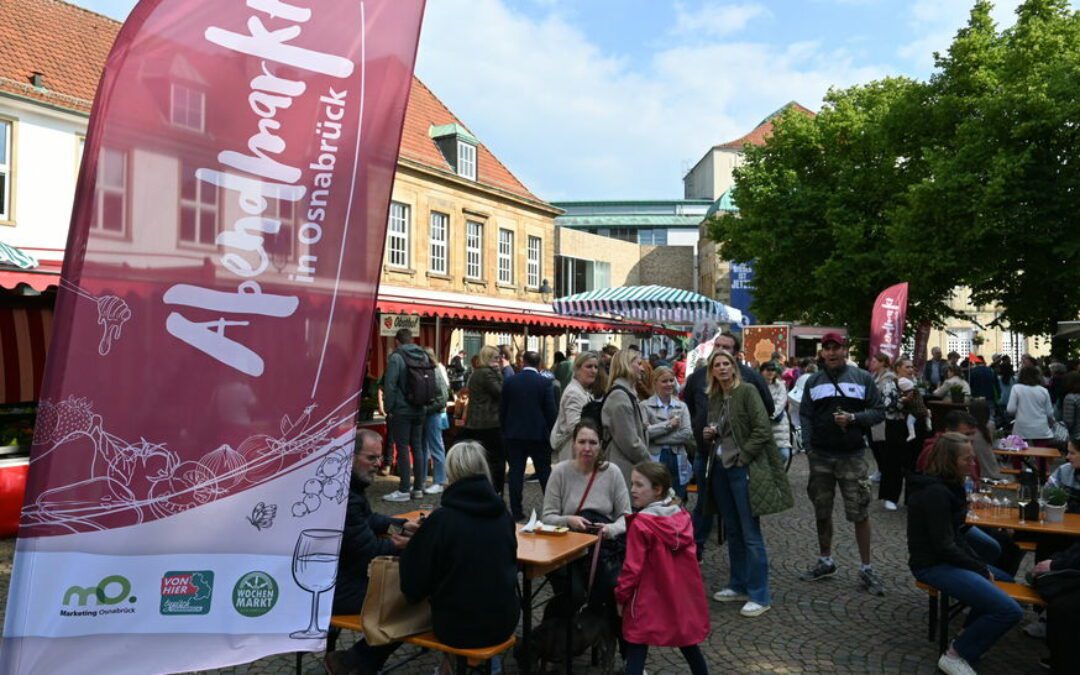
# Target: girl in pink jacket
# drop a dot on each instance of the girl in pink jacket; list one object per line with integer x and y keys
{"x": 664, "y": 606}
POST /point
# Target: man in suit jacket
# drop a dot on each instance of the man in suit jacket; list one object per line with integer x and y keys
{"x": 527, "y": 412}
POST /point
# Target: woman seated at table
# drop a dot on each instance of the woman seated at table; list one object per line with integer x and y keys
{"x": 464, "y": 557}
{"x": 955, "y": 378}
{"x": 939, "y": 556}
{"x": 1067, "y": 476}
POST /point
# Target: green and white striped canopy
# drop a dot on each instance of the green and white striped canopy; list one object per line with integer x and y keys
{"x": 13, "y": 257}
{"x": 647, "y": 303}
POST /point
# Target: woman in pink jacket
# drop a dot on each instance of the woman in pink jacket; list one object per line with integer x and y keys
{"x": 664, "y": 606}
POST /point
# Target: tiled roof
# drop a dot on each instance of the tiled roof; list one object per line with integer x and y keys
{"x": 761, "y": 132}
{"x": 426, "y": 110}
{"x": 69, "y": 46}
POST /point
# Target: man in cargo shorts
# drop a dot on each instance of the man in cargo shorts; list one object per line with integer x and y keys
{"x": 840, "y": 403}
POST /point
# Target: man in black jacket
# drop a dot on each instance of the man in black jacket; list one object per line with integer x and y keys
{"x": 527, "y": 411}
{"x": 360, "y": 542}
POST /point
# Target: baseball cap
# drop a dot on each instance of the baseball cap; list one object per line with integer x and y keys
{"x": 833, "y": 336}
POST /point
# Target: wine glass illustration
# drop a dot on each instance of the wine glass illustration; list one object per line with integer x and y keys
{"x": 314, "y": 568}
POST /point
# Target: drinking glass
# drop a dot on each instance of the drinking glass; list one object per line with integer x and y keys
{"x": 1023, "y": 498}
{"x": 973, "y": 505}
{"x": 1042, "y": 503}
{"x": 314, "y": 568}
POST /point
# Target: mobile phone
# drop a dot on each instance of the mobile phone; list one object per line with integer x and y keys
{"x": 395, "y": 529}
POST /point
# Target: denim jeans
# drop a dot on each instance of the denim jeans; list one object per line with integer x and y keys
{"x": 408, "y": 434}
{"x": 671, "y": 460}
{"x": 434, "y": 447}
{"x": 992, "y": 612}
{"x": 748, "y": 561}
{"x": 516, "y": 454}
{"x": 702, "y": 523}
{"x": 985, "y": 546}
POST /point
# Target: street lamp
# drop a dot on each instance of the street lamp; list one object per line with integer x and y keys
{"x": 545, "y": 291}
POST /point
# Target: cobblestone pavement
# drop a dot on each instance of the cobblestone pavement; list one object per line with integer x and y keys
{"x": 828, "y": 626}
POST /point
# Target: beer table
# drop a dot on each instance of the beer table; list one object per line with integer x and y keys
{"x": 1069, "y": 526}
{"x": 537, "y": 555}
{"x": 1042, "y": 455}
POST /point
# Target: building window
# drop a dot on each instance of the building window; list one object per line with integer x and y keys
{"x": 187, "y": 108}
{"x": 440, "y": 228}
{"x": 506, "y": 257}
{"x": 5, "y": 170}
{"x": 959, "y": 341}
{"x": 282, "y": 246}
{"x": 397, "y": 241}
{"x": 575, "y": 275}
{"x": 474, "y": 249}
{"x": 110, "y": 201}
{"x": 466, "y": 160}
{"x": 532, "y": 270}
{"x": 198, "y": 208}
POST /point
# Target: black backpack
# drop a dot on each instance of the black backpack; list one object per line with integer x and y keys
{"x": 594, "y": 410}
{"x": 420, "y": 386}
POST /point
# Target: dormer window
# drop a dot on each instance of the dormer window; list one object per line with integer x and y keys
{"x": 458, "y": 147}
{"x": 187, "y": 108}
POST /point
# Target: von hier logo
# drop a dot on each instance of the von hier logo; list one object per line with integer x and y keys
{"x": 186, "y": 593}
{"x": 255, "y": 594}
{"x": 112, "y": 590}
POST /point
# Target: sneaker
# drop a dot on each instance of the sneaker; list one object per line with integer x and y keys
{"x": 875, "y": 477}
{"x": 397, "y": 496}
{"x": 954, "y": 665}
{"x": 872, "y": 585}
{"x": 890, "y": 506}
{"x": 728, "y": 595}
{"x": 752, "y": 609}
{"x": 417, "y": 494}
{"x": 1036, "y": 629}
{"x": 819, "y": 571}
{"x": 433, "y": 489}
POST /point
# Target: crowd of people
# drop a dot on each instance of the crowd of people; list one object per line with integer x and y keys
{"x": 615, "y": 440}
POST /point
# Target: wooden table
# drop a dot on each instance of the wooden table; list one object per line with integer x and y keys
{"x": 1070, "y": 525}
{"x": 1042, "y": 455}
{"x": 537, "y": 556}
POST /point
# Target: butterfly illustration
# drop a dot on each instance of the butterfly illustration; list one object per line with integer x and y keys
{"x": 262, "y": 516}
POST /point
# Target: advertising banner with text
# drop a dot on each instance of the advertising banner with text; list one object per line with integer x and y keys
{"x": 887, "y": 321}
{"x": 194, "y": 436}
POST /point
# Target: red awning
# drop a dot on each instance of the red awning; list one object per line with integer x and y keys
{"x": 542, "y": 324}
{"x": 39, "y": 281}
{"x": 25, "y": 333}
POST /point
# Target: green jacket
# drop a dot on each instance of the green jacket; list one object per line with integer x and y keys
{"x": 485, "y": 394}
{"x": 769, "y": 489}
{"x": 394, "y": 400}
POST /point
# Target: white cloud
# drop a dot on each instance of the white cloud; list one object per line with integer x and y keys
{"x": 935, "y": 23}
{"x": 715, "y": 19}
{"x": 574, "y": 122}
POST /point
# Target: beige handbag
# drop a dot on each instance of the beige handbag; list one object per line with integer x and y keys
{"x": 387, "y": 615}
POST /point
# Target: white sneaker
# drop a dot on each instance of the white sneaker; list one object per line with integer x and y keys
{"x": 1035, "y": 629}
{"x": 433, "y": 489}
{"x": 417, "y": 494}
{"x": 954, "y": 665}
{"x": 752, "y": 609}
{"x": 728, "y": 595}
{"x": 890, "y": 506}
{"x": 397, "y": 496}
{"x": 875, "y": 477}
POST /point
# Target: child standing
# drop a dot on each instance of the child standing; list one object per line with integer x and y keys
{"x": 664, "y": 606}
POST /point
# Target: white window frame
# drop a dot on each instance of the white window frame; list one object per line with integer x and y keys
{"x": 506, "y": 256}
{"x": 397, "y": 235}
{"x": 960, "y": 342}
{"x": 202, "y": 207}
{"x": 466, "y": 160}
{"x": 535, "y": 256}
{"x": 180, "y": 95}
{"x": 438, "y": 253}
{"x": 103, "y": 188}
{"x": 474, "y": 250}
{"x": 7, "y": 201}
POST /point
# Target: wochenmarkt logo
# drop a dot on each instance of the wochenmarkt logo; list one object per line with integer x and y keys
{"x": 255, "y": 594}
{"x": 186, "y": 593}
{"x": 112, "y": 595}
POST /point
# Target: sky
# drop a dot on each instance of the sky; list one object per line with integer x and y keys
{"x": 618, "y": 99}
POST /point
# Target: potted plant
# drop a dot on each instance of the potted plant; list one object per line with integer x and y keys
{"x": 1056, "y": 499}
{"x": 956, "y": 393}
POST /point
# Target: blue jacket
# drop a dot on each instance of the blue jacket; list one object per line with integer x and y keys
{"x": 527, "y": 408}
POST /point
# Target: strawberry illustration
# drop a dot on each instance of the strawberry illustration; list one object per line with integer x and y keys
{"x": 45, "y": 425}
{"x": 73, "y": 416}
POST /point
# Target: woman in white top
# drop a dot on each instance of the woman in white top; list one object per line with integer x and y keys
{"x": 1030, "y": 407}
{"x": 954, "y": 379}
{"x": 667, "y": 424}
{"x": 574, "y": 398}
{"x": 588, "y": 483}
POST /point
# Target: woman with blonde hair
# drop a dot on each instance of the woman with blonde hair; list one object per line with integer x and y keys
{"x": 667, "y": 424}
{"x": 482, "y": 421}
{"x": 621, "y": 417}
{"x": 586, "y": 369}
{"x": 745, "y": 480}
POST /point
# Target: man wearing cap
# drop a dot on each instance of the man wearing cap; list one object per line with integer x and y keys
{"x": 840, "y": 403}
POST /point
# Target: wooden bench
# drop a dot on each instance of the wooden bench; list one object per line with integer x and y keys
{"x": 1026, "y": 545}
{"x": 1010, "y": 470}
{"x": 464, "y": 658}
{"x": 941, "y": 610}
{"x": 692, "y": 488}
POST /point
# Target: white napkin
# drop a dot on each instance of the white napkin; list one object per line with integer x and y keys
{"x": 533, "y": 523}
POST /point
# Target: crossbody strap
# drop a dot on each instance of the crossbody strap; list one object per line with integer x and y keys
{"x": 586, "y": 495}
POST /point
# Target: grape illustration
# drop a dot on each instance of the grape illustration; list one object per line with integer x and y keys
{"x": 312, "y": 502}
{"x": 299, "y": 510}
{"x": 331, "y": 488}
{"x": 312, "y": 487}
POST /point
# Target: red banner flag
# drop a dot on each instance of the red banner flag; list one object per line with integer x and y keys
{"x": 194, "y": 437}
{"x": 887, "y": 321}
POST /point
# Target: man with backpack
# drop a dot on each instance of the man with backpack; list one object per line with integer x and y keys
{"x": 409, "y": 387}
